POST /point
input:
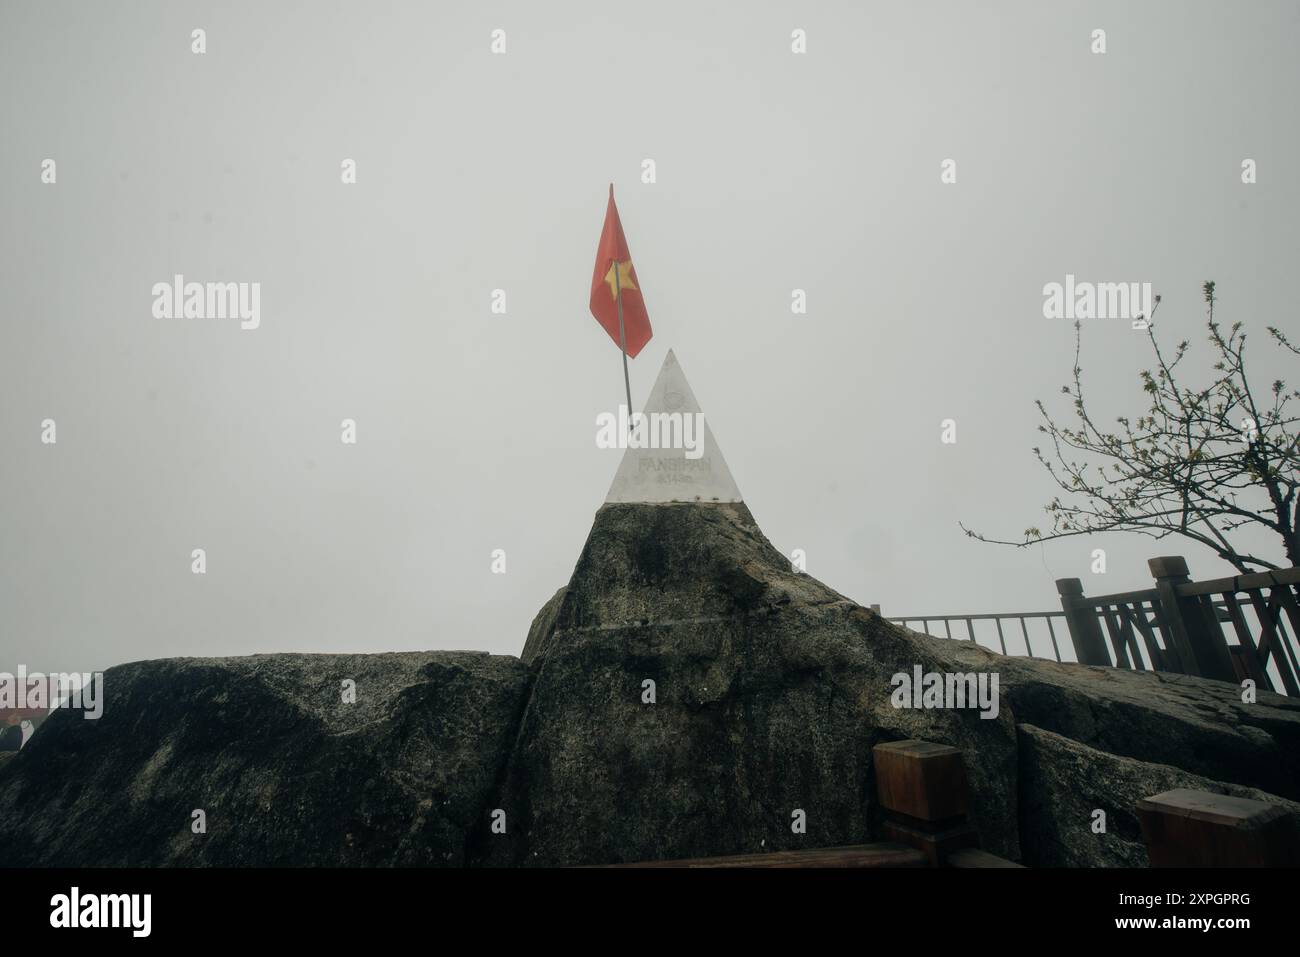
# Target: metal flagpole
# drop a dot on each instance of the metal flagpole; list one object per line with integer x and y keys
{"x": 622, "y": 342}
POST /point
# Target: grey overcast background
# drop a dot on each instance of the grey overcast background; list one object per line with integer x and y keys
{"x": 478, "y": 171}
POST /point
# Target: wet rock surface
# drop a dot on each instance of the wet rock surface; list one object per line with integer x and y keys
{"x": 682, "y": 696}
{"x": 284, "y": 771}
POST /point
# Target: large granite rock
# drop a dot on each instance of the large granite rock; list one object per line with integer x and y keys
{"x": 1062, "y": 784}
{"x": 1191, "y": 723}
{"x": 769, "y": 692}
{"x": 286, "y": 773}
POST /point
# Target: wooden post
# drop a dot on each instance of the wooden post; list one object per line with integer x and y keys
{"x": 1188, "y": 828}
{"x": 922, "y": 788}
{"x": 1198, "y": 639}
{"x": 1085, "y": 629}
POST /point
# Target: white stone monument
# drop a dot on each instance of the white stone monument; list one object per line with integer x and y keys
{"x": 671, "y": 474}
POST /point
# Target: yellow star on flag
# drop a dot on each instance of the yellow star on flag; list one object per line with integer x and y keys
{"x": 624, "y": 277}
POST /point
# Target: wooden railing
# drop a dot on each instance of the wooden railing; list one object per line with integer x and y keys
{"x": 1176, "y": 626}
{"x": 1257, "y": 654}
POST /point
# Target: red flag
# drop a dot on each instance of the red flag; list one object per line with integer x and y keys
{"x": 612, "y": 254}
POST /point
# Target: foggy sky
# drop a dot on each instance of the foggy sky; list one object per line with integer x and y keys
{"x": 477, "y": 171}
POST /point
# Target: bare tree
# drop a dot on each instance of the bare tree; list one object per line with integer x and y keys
{"x": 1200, "y": 463}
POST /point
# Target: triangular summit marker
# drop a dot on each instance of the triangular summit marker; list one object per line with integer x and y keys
{"x": 667, "y": 474}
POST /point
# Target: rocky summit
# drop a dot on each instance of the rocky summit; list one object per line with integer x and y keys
{"x": 282, "y": 769}
{"x": 771, "y": 689}
{"x": 683, "y": 696}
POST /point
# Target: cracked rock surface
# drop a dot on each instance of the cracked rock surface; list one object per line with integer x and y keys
{"x": 682, "y": 696}
{"x": 770, "y": 691}
{"x": 284, "y": 771}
